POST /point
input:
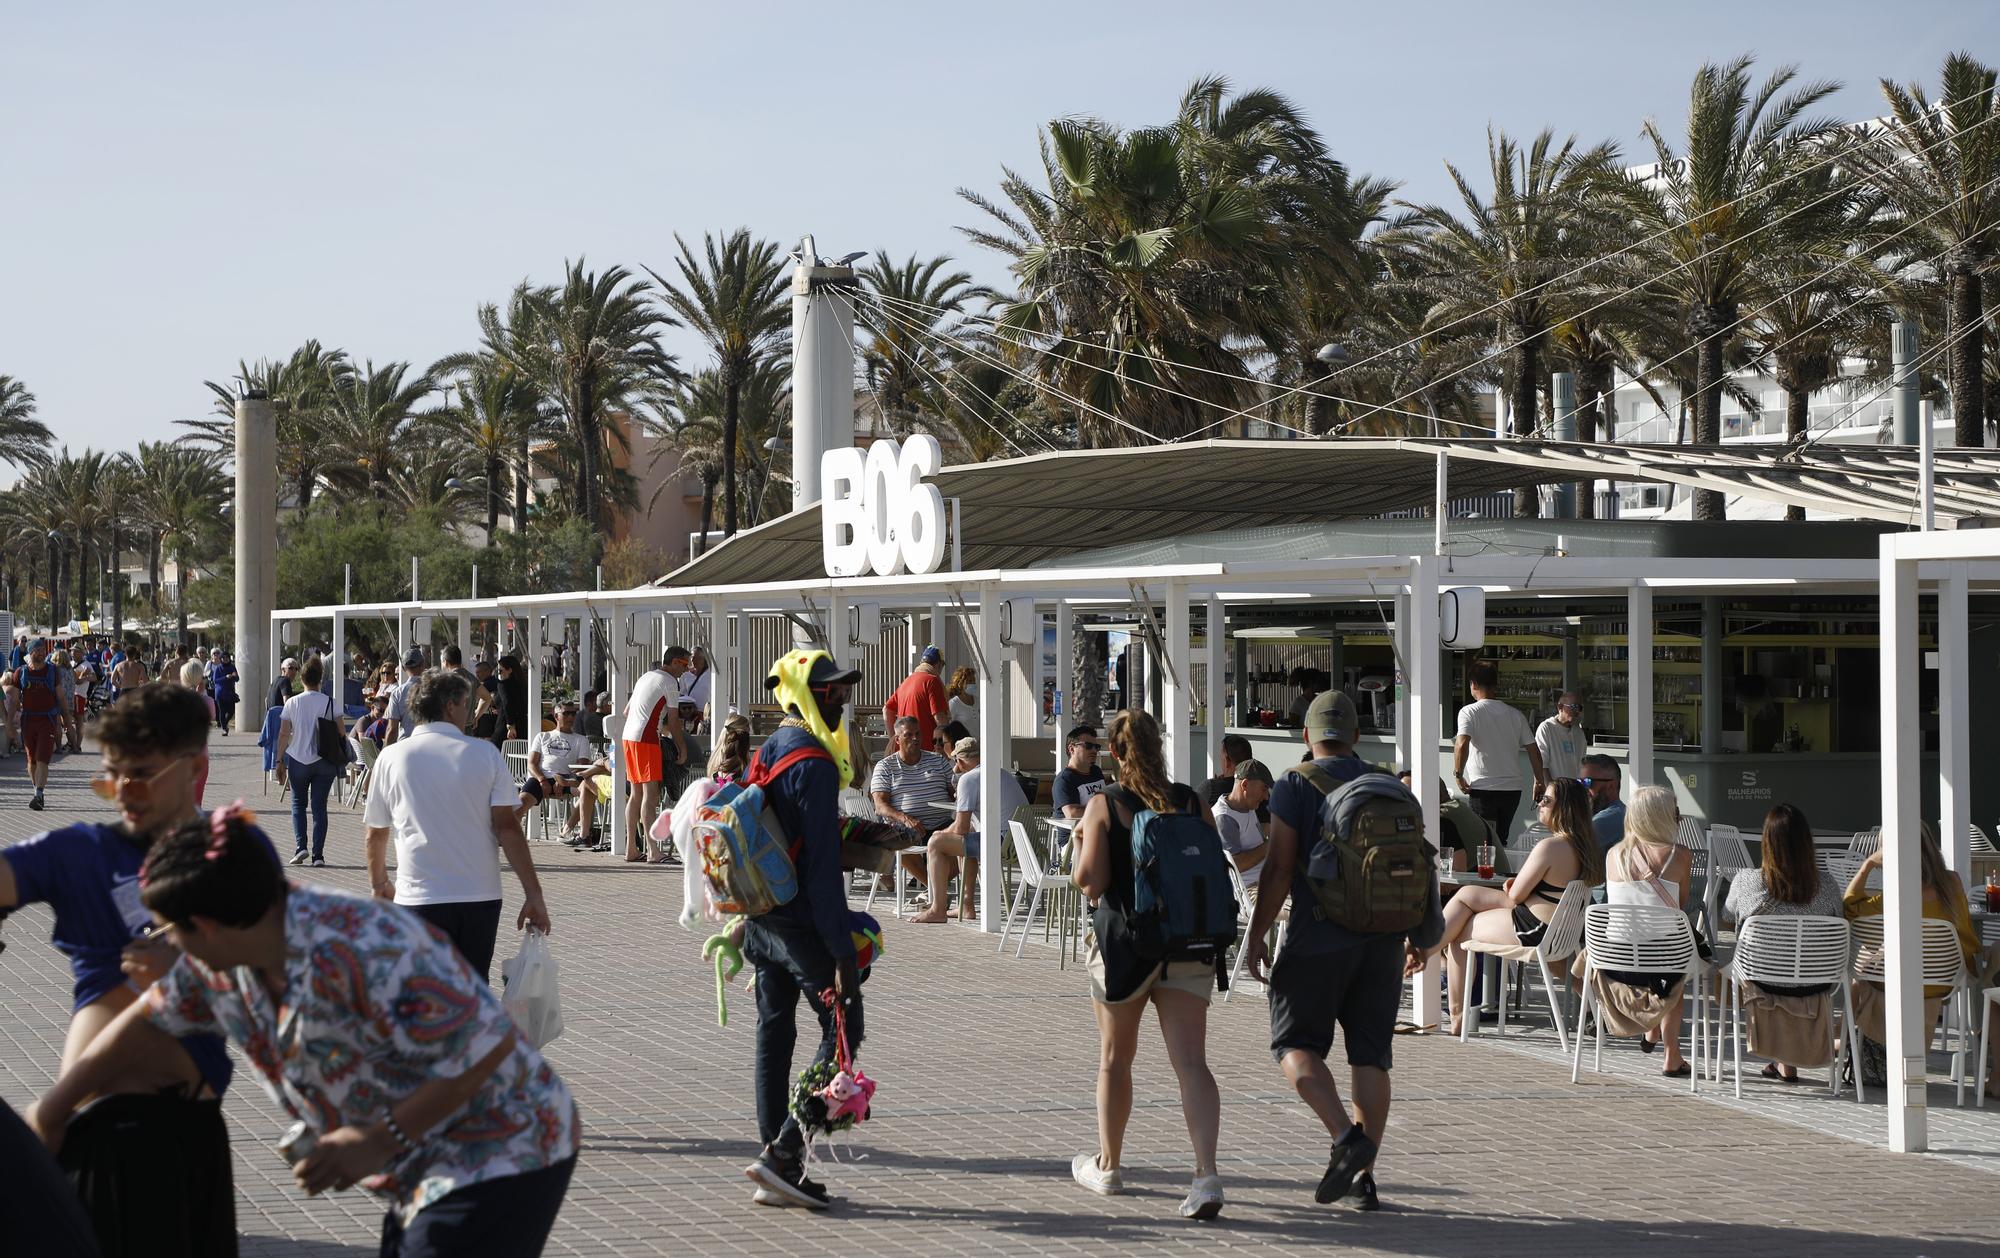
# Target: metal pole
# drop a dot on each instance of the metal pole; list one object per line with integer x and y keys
{"x": 1178, "y": 683}
{"x": 822, "y": 369}
{"x": 347, "y": 583}
{"x": 1426, "y": 732}
{"x": 1215, "y": 709}
{"x": 1562, "y": 392}
{"x": 475, "y": 582}
{"x": 1639, "y": 688}
{"x": 1442, "y": 506}
{"x": 993, "y": 724}
{"x": 1955, "y": 719}
{"x": 256, "y": 553}
{"x": 1902, "y": 810}
{"x": 413, "y": 579}
{"x": 1927, "y": 459}
{"x": 1903, "y": 357}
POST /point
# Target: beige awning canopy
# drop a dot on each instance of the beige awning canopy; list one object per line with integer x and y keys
{"x": 1019, "y": 512}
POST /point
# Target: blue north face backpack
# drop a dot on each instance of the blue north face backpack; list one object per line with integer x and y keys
{"x": 1183, "y": 899}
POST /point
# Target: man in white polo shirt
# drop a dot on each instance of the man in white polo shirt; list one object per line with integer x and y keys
{"x": 450, "y": 805}
{"x": 655, "y": 699}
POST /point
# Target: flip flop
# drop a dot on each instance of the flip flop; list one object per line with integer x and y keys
{"x": 1682, "y": 1073}
{"x": 1412, "y": 1028}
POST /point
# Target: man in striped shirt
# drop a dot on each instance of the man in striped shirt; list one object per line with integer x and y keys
{"x": 913, "y": 788}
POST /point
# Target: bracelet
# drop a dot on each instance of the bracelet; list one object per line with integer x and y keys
{"x": 403, "y": 1142}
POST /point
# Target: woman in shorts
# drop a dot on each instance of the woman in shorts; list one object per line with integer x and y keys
{"x": 1122, "y": 986}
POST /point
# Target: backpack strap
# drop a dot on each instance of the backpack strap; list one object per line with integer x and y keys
{"x": 759, "y": 773}
{"x": 1317, "y": 778}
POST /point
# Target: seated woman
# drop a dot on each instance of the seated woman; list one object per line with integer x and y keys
{"x": 1649, "y": 868}
{"x": 1518, "y": 912}
{"x": 1944, "y": 900}
{"x": 1788, "y": 882}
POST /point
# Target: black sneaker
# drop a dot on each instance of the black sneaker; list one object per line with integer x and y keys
{"x": 35, "y": 801}
{"x": 1362, "y": 1195}
{"x": 786, "y": 1181}
{"x": 1351, "y": 1153}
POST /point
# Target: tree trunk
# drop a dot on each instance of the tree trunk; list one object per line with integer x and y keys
{"x": 305, "y": 488}
{"x": 522, "y": 481}
{"x": 1712, "y": 325}
{"x": 586, "y": 463}
{"x": 493, "y": 498}
{"x": 181, "y": 594}
{"x": 1087, "y": 688}
{"x": 707, "y": 510}
{"x": 153, "y": 574}
{"x": 1968, "y": 352}
{"x": 732, "y": 389}
{"x": 1528, "y": 365}
{"x": 1797, "y": 418}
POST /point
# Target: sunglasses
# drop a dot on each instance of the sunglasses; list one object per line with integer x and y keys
{"x": 107, "y": 783}
{"x": 1091, "y": 747}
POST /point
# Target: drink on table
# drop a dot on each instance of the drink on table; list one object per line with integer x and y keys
{"x": 1993, "y": 893}
{"x": 1485, "y": 860}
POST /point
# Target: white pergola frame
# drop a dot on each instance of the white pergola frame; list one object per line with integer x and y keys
{"x": 1412, "y": 581}
{"x": 1952, "y": 562}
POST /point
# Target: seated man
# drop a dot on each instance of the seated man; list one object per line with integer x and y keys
{"x": 552, "y": 758}
{"x": 912, "y": 788}
{"x": 1460, "y": 830}
{"x": 376, "y": 728}
{"x": 1236, "y": 822}
{"x": 961, "y": 837}
{"x": 593, "y": 786}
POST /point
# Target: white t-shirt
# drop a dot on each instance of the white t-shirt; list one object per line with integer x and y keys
{"x": 1011, "y": 796}
{"x": 1498, "y": 734}
{"x": 696, "y": 686}
{"x": 965, "y": 711}
{"x": 1240, "y": 833}
{"x": 436, "y": 791}
{"x": 650, "y": 695}
{"x": 1562, "y": 748}
{"x": 305, "y": 711}
{"x": 559, "y": 751}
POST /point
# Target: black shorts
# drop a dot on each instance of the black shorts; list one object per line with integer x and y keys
{"x": 1357, "y": 988}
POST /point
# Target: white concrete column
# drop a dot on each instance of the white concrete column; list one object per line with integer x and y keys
{"x": 586, "y": 648}
{"x": 531, "y": 721}
{"x": 257, "y": 652}
{"x": 1214, "y": 699}
{"x": 747, "y": 682}
{"x": 1177, "y": 713}
{"x": 993, "y": 743}
{"x": 1425, "y": 688}
{"x": 1639, "y": 689}
{"x": 1902, "y": 813}
{"x": 405, "y": 625}
{"x": 464, "y": 639}
{"x": 1954, "y": 722}
{"x": 1065, "y": 715}
{"x": 619, "y": 680}
{"x": 721, "y": 663}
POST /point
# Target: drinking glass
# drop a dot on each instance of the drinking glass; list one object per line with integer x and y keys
{"x": 1993, "y": 893}
{"x": 1485, "y": 860}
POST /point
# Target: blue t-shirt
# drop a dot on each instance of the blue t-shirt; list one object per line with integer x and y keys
{"x": 89, "y": 875}
{"x": 1295, "y": 802}
{"x": 16, "y": 658}
{"x": 1609, "y": 822}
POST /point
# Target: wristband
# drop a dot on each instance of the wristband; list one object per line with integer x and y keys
{"x": 403, "y": 1143}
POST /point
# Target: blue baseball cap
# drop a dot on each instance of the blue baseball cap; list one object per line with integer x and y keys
{"x": 933, "y": 656}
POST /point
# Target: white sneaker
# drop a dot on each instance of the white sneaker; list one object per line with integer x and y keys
{"x": 1204, "y": 1200}
{"x": 1084, "y": 1169}
{"x": 299, "y": 858}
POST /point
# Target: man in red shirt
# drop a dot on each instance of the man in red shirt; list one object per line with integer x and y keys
{"x": 922, "y": 698}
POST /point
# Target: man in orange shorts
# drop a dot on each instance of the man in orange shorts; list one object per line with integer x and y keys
{"x": 654, "y": 699}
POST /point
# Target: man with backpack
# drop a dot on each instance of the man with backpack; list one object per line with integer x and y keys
{"x": 43, "y": 715}
{"x": 1347, "y": 848}
{"x": 803, "y": 946}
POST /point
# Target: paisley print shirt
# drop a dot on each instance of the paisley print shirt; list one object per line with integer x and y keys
{"x": 376, "y": 1003}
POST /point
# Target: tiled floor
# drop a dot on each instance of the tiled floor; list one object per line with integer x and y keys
{"x": 986, "y": 1067}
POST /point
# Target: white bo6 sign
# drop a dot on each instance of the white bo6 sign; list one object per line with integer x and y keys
{"x": 877, "y": 515}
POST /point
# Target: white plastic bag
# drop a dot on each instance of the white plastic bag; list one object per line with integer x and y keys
{"x": 533, "y": 994}
{"x": 676, "y": 827}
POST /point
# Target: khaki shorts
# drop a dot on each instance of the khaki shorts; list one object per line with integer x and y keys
{"x": 1196, "y": 980}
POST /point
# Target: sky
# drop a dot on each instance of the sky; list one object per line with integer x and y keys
{"x": 189, "y": 185}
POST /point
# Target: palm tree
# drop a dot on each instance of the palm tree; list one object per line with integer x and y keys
{"x": 734, "y": 299}
{"x": 591, "y": 347}
{"x": 1509, "y": 263}
{"x": 1939, "y": 165}
{"x": 426, "y": 481}
{"x": 24, "y": 440}
{"x": 1146, "y": 259}
{"x": 1732, "y": 195}
{"x": 302, "y": 391}
{"x": 369, "y": 425}
{"x": 182, "y": 490}
{"x": 917, "y": 336}
{"x": 496, "y": 419}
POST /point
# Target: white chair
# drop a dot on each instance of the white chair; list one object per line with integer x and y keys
{"x": 1864, "y": 842}
{"x": 1943, "y": 966}
{"x": 1985, "y": 856}
{"x": 1792, "y": 952}
{"x": 1841, "y": 868}
{"x": 1641, "y": 939}
{"x": 1728, "y": 856}
{"x": 1559, "y": 942}
{"x": 1247, "y": 914}
{"x": 1988, "y": 1001}
{"x": 1035, "y": 876}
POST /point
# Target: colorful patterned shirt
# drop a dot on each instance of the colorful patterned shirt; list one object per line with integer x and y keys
{"x": 377, "y": 1003}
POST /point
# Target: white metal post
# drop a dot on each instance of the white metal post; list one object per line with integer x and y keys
{"x": 1426, "y": 731}
{"x": 1902, "y": 799}
{"x": 404, "y": 637}
{"x": 1954, "y": 717}
{"x": 620, "y": 681}
{"x": 1639, "y": 688}
{"x": 1213, "y": 701}
{"x": 1179, "y": 706}
{"x": 464, "y": 639}
{"x": 1441, "y": 504}
{"x": 723, "y": 663}
{"x": 1404, "y": 649}
{"x": 1927, "y": 466}
{"x": 586, "y": 648}
{"x": 531, "y": 720}
{"x": 992, "y": 708}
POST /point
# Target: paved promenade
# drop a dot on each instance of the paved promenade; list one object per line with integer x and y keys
{"x": 986, "y": 1067}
